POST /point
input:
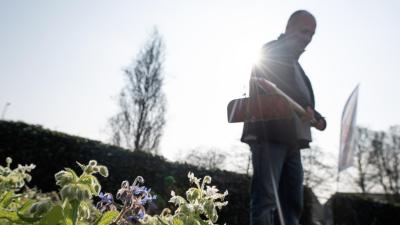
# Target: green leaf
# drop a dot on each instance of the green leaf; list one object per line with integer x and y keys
{"x": 9, "y": 215}
{"x": 7, "y": 199}
{"x": 67, "y": 211}
{"x": 75, "y": 207}
{"x": 177, "y": 221}
{"x": 162, "y": 220}
{"x": 24, "y": 208}
{"x": 26, "y": 205}
{"x": 54, "y": 216}
{"x": 73, "y": 173}
{"x": 107, "y": 218}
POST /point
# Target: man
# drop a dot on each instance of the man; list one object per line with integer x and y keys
{"x": 277, "y": 183}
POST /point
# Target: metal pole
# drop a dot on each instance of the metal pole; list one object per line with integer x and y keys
{"x": 337, "y": 181}
{"x": 5, "y": 110}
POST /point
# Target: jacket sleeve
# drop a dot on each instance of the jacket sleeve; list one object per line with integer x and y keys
{"x": 317, "y": 115}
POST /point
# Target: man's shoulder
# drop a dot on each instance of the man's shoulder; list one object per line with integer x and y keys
{"x": 270, "y": 46}
{"x": 274, "y": 48}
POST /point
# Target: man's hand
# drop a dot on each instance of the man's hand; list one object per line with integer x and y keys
{"x": 320, "y": 125}
{"x": 309, "y": 116}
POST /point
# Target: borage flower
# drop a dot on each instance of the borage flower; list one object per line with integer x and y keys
{"x": 136, "y": 218}
{"x": 148, "y": 199}
{"x": 106, "y": 198}
{"x": 134, "y": 198}
{"x": 106, "y": 202}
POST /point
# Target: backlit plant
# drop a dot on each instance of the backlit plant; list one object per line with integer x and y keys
{"x": 199, "y": 207}
{"x": 73, "y": 204}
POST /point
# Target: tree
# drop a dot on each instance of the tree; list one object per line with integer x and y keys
{"x": 210, "y": 159}
{"x": 316, "y": 169}
{"x": 139, "y": 123}
{"x": 365, "y": 178}
{"x": 239, "y": 158}
{"x": 378, "y": 161}
{"x": 386, "y": 159}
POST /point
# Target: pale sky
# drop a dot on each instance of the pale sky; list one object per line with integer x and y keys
{"x": 61, "y": 62}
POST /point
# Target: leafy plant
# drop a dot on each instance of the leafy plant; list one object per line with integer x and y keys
{"x": 76, "y": 193}
{"x": 199, "y": 207}
{"x": 73, "y": 205}
{"x": 14, "y": 179}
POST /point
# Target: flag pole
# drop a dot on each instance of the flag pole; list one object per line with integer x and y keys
{"x": 347, "y": 134}
{"x": 337, "y": 180}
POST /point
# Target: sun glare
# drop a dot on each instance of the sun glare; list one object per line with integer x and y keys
{"x": 251, "y": 56}
{"x": 255, "y": 57}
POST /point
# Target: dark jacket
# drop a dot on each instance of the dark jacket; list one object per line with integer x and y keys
{"x": 276, "y": 65}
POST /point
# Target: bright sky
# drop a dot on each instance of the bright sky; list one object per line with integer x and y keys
{"x": 61, "y": 62}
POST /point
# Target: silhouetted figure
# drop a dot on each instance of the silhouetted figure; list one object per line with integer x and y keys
{"x": 275, "y": 144}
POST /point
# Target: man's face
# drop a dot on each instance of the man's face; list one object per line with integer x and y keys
{"x": 301, "y": 31}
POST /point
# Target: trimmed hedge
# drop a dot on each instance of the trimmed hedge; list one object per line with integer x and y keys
{"x": 359, "y": 209}
{"x": 52, "y": 151}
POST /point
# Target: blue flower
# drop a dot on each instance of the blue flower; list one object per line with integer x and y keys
{"x": 133, "y": 219}
{"x": 141, "y": 190}
{"x": 147, "y": 199}
{"x": 136, "y": 218}
{"x": 106, "y": 198}
{"x": 140, "y": 214}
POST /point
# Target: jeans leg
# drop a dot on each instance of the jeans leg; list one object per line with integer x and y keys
{"x": 268, "y": 160}
{"x": 291, "y": 188}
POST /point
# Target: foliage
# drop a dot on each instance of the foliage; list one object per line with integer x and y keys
{"x": 13, "y": 205}
{"x": 14, "y": 179}
{"x": 361, "y": 209}
{"x": 199, "y": 207}
{"x": 138, "y": 124}
{"x": 52, "y": 151}
{"x": 74, "y": 206}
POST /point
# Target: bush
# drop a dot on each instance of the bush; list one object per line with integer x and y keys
{"x": 53, "y": 151}
{"x": 362, "y": 209}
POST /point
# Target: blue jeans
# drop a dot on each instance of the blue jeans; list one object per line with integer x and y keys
{"x": 276, "y": 166}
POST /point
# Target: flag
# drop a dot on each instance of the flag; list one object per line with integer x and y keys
{"x": 348, "y": 131}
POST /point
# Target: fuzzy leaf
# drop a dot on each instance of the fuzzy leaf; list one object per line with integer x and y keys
{"x": 54, "y": 216}
{"x": 23, "y": 209}
{"x": 67, "y": 212}
{"x": 7, "y": 199}
{"x": 107, "y": 218}
{"x": 177, "y": 221}
{"x": 9, "y": 215}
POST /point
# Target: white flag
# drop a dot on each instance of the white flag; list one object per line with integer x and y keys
{"x": 348, "y": 131}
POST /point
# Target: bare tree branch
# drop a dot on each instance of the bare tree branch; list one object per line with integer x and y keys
{"x": 316, "y": 170}
{"x": 210, "y": 159}
{"x": 141, "y": 119}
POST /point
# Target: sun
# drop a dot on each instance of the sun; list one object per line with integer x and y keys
{"x": 251, "y": 54}
{"x": 255, "y": 57}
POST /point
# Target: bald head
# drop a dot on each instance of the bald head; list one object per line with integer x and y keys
{"x": 300, "y": 15}
{"x": 301, "y": 28}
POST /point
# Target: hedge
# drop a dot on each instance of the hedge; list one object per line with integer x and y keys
{"x": 51, "y": 151}
{"x": 362, "y": 209}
